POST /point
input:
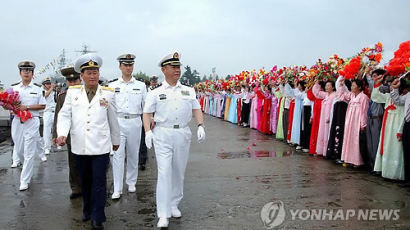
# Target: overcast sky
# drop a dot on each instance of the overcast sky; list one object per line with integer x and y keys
{"x": 229, "y": 35}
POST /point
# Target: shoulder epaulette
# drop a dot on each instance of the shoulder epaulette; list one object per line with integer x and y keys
{"x": 14, "y": 84}
{"x": 157, "y": 86}
{"x": 186, "y": 84}
{"x": 36, "y": 84}
{"x": 107, "y": 88}
{"x": 112, "y": 80}
{"x": 75, "y": 87}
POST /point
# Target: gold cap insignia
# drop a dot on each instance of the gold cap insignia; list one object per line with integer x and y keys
{"x": 90, "y": 63}
{"x": 176, "y": 55}
{"x": 128, "y": 56}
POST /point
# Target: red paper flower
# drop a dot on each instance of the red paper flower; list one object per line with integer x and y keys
{"x": 352, "y": 68}
{"x": 401, "y": 58}
{"x": 265, "y": 81}
{"x": 11, "y": 99}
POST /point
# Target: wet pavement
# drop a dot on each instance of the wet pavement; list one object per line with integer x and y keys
{"x": 229, "y": 178}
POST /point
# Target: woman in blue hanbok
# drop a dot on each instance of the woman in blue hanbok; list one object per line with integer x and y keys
{"x": 211, "y": 103}
{"x": 232, "y": 117}
{"x": 299, "y": 94}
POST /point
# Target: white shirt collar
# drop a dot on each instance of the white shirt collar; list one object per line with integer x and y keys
{"x": 166, "y": 85}
{"x": 131, "y": 81}
{"x": 28, "y": 86}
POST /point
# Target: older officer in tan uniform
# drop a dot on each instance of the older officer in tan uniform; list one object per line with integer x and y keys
{"x": 173, "y": 105}
{"x": 73, "y": 78}
{"x": 89, "y": 114}
{"x": 129, "y": 96}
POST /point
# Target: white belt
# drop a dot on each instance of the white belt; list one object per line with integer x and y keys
{"x": 170, "y": 126}
{"x": 128, "y": 116}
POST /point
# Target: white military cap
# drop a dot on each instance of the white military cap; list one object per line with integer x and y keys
{"x": 170, "y": 59}
{"x": 46, "y": 80}
{"x": 153, "y": 78}
{"x": 87, "y": 61}
{"x": 126, "y": 59}
{"x": 26, "y": 65}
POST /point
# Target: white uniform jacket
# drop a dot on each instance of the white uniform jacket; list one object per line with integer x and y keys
{"x": 171, "y": 105}
{"x": 93, "y": 126}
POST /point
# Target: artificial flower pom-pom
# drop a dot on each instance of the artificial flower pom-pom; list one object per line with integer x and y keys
{"x": 401, "y": 59}
{"x": 352, "y": 68}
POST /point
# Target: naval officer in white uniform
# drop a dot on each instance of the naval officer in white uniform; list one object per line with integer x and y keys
{"x": 129, "y": 96}
{"x": 89, "y": 115}
{"x": 26, "y": 135}
{"x": 48, "y": 116}
{"x": 172, "y": 105}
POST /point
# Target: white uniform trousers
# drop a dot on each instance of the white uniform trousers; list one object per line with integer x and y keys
{"x": 28, "y": 142}
{"x": 17, "y": 136}
{"x": 130, "y": 143}
{"x": 172, "y": 152}
{"x": 48, "y": 120}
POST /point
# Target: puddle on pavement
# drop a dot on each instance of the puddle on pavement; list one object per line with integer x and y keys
{"x": 146, "y": 211}
{"x": 253, "y": 154}
{"x": 3, "y": 172}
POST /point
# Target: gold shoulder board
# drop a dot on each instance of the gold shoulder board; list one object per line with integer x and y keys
{"x": 108, "y": 88}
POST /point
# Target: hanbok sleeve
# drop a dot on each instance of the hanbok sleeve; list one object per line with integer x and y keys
{"x": 397, "y": 99}
{"x": 379, "y": 97}
{"x": 364, "y": 106}
{"x": 344, "y": 94}
{"x": 298, "y": 94}
{"x": 288, "y": 90}
{"x": 317, "y": 92}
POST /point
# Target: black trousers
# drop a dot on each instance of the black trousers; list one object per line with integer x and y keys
{"x": 92, "y": 170}
{"x": 306, "y": 127}
{"x": 285, "y": 123}
{"x": 406, "y": 150}
{"x": 363, "y": 150}
{"x": 143, "y": 149}
{"x": 245, "y": 112}
{"x": 73, "y": 176}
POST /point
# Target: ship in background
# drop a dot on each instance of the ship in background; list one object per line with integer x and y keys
{"x": 51, "y": 70}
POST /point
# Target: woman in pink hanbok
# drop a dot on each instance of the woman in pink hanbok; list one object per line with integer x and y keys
{"x": 355, "y": 123}
{"x": 253, "y": 120}
{"x": 273, "y": 112}
{"x": 324, "y": 125}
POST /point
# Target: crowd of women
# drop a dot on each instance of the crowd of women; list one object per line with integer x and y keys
{"x": 349, "y": 111}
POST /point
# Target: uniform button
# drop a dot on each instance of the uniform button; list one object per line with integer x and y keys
{"x": 88, "y": 129}
{"x": 88, "y": 122}
{"x": 88, "y": 114}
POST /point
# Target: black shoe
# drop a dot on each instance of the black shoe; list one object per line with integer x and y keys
{"x": 96, "y": 225}
{"x": 74, "y": 195}
{"x": 86, "y": 217}
{"x": 142, "y": 167}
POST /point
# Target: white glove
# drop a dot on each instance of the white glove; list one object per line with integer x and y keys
{"x": 149, "y": 136}
{"x": 201, "y": 134}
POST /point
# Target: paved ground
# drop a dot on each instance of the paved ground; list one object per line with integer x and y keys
{"x": 226, "y": 187}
